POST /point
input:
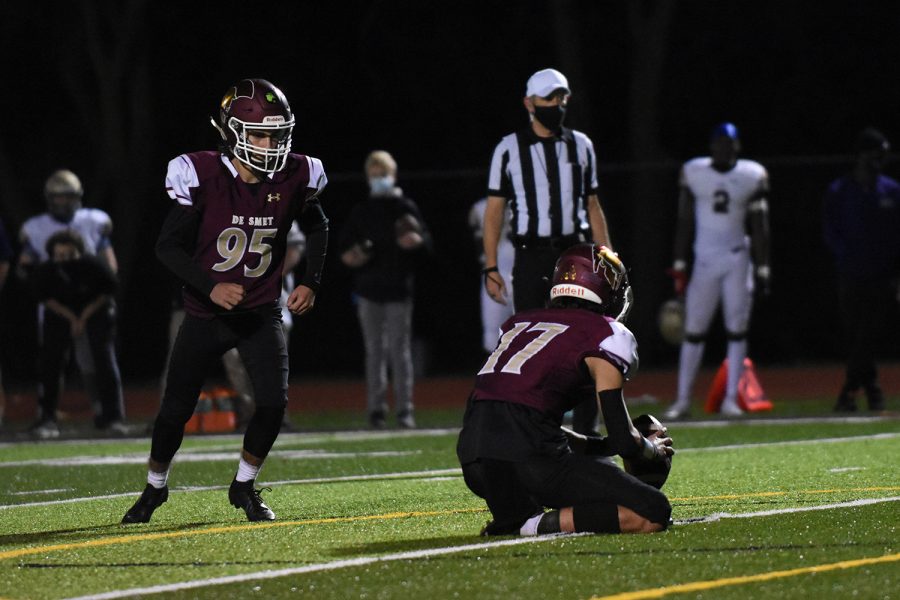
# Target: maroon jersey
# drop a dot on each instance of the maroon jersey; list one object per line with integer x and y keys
{"x": 243, "y": 227}
{"x": 539, "y": 359}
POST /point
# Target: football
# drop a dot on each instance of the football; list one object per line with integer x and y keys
{"x": 652, "y": 472}
{"x": 670, "y": 320}
{"x": 408, "y": 232}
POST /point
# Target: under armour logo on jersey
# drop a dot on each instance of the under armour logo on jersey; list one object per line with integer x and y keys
{"x": 276, "y": 197}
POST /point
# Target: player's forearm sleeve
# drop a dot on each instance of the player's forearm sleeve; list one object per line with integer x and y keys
{"x": 174, "y": 248}
{"x": 621, "y": 438}
{"x": 314, "y": 225}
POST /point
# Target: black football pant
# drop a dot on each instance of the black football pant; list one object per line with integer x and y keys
{"x": 532, "y": 276}
{"x": 516, "y": 491}
{"x": 55, "y": 349}
{"x": 865, "y": 308}
{"x": 200, "y": 343}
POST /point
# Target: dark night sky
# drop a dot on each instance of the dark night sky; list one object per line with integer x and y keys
{"x": 438, "y": 84}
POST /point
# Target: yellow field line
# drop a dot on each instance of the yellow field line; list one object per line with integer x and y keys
{"x": 698, "y": 586}
{"x": 770, "y": 494}
{"x": 126, "y": 539}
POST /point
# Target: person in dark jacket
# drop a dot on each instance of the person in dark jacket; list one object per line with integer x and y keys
{"x": 861, "y": 222}
{"x": 77, "y": 290}
{"x": 383, "y": 241}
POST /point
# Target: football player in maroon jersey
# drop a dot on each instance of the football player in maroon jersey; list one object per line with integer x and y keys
{"x": 512, "y": 448}
{"x": 226, "y": 238}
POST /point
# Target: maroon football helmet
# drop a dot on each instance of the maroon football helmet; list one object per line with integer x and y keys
{"x": 595, "y": 274}
{"x": 255, "y": 105}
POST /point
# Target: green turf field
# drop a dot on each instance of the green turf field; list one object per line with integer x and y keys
{"x": 764, "y": 509}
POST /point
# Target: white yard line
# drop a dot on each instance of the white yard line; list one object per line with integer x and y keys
{"x": 189, "y": 457}
{"x": 305, "y": 437}
{"x": 417, "y": 554}
{"x": 37, "y": 492}
{"x": 834, "y": 440}
{"x": 784, "y": 511}
{"x": 345, "y": 478}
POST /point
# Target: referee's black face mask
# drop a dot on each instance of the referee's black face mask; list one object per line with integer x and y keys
{"x": 550, "y": 117}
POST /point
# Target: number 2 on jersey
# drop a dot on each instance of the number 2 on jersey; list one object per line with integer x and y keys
{"x": 514, "y": 364}
{"x": 232, "y": 245}
{"x": 720, "y": 201}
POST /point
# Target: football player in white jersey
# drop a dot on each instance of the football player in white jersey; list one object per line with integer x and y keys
{"x": 722, "y": 199}
{"x": 63, "y": 192}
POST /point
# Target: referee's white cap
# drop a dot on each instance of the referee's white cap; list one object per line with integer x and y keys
{"x": 545, "y": 82}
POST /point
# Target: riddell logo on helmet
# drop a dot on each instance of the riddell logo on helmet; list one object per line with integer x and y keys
{"x": 273, "y": 119}
{"x": 569, "y": 290}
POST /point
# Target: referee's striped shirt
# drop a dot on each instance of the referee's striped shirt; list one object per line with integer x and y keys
{"x": 546, "y": 182}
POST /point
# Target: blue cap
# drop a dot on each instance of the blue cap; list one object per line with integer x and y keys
{"x": 725, "y": 129}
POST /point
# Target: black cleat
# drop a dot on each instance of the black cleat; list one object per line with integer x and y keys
{"x": 377, "y": 420}
{"x": 875, "y": 397}
{"x": 151, "y": 499}
{"x": 846, "y": 401}
{"x": 242, "y": 494}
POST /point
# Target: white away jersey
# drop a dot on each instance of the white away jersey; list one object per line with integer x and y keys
{"x": 92, "y": 224}
{"x": 721, "y": 201}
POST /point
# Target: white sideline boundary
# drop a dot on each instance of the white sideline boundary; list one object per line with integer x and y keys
{"x": 345, "y": 478}
{"x": 417, "y": 554}
{"x": 317, "y": 436}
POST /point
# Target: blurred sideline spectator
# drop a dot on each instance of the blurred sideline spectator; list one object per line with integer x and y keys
{"x": 63, "y": 194}
{"x": 493, "y": 314}
{"x": 384, "y": 241}
{"x": 5, "y": 258}
{"x": 77, "y": 290}
{"x": 861, "y": 226}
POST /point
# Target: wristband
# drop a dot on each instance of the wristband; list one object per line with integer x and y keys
{"x": 487, "y": 270}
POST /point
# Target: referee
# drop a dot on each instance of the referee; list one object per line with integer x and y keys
{"x": 548, "y": 174}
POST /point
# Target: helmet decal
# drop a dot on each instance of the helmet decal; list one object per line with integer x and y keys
{"x": 613, "y": 269}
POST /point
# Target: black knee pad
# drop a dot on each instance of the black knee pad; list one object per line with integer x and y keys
{"x": 695, "y": 338}
{"x": 657, "y": 509}
{"x": 262, "y": 430}
{"x": 602, "y": 517}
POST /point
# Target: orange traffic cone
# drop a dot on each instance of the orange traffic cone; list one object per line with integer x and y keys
{"x": 221, "y": 418}
{"x": 751, "y": 397}
{"x": 195, "y": 423}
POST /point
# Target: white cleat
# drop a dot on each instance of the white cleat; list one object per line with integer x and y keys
{"x": 730, "y": 410}
{"x": 677, "y": 412}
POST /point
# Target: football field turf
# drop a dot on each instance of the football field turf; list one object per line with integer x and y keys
{"x": 791, "y": 508}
